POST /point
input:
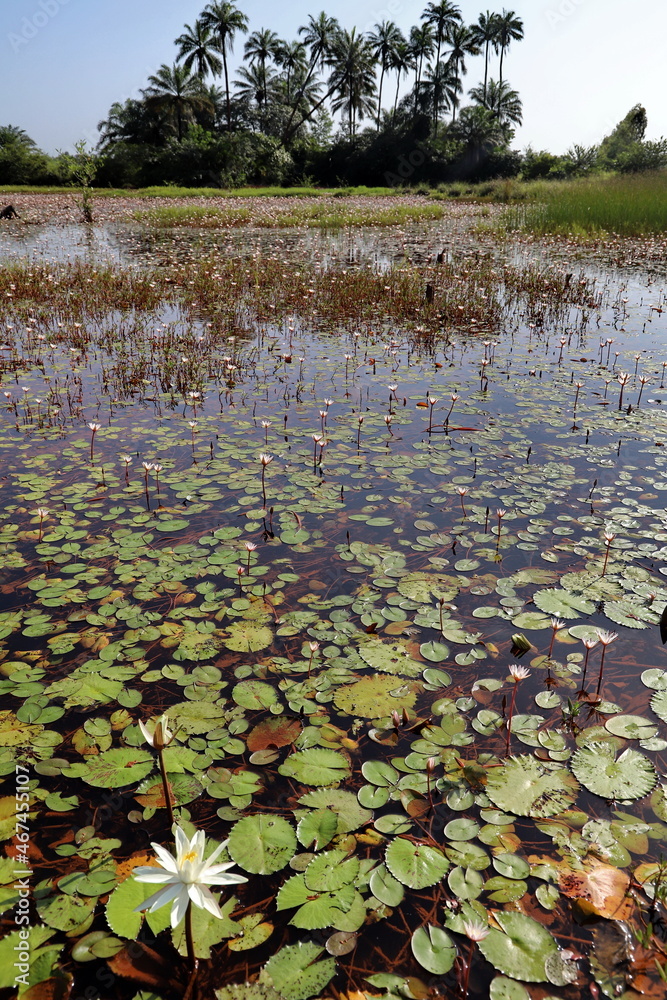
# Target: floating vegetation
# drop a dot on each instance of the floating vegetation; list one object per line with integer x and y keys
{"x": 309, "y": 215}
{"x": 274, "y": 533}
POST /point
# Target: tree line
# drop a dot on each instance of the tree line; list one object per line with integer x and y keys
{"x": 332, "y": 106}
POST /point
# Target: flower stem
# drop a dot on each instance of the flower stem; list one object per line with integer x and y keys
{"x": 466, "y": 980}
{"x": 167, "y": 791}
{"x": 509, "y": 721}
{"x": 189, "y": 940}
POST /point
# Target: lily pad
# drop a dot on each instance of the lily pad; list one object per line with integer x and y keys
{"x": 630, "y": 776}
{"x": 526, "y": 787}
{"x": 415, "y": 865}
{"x": 376, "y": 697}
{"x": 297, "y": 971}
{"x": 390, "y": 658}
{"x": 520, "y": 948}
{"x": 318, "y": 766}
{"x": 434, "y": 949}
{"x": 262, "y": 844}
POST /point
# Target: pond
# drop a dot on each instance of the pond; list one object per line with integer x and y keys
{"x": 385, "y": 536}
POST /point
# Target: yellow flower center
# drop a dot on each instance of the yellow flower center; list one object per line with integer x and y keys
{"x": 190, "y": 856}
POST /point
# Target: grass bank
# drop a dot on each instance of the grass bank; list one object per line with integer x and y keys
{"x": 165, "y": 191}
{"x": 627, "y": 205}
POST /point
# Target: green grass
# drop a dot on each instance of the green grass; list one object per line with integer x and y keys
{"x": 627, "y": 205}
{"x": 310, "y": 216}
{"x": 208, "y": 192}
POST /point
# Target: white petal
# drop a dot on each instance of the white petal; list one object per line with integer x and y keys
{"x": 144, "y": 732}
{"x": 158, "y": 899}
{"x": 182, "y": 844}
{"x": 198, "y": 844}
{"x": 205, "y": 900}
{"x": 167, "y": 860}
{"x": 224, "y": 879}
{"x": 216, "y": 853}
{"x": 151, "y": 875}
{"x": 216, "y": 869}
{"x": 180, "y": 906}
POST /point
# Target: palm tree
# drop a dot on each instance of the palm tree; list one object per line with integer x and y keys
{"x": 383, "y": 42}
{"x": 223, "y": 18}
{"x": 291, "y": 56}
{"x": 421, "y": 46}
{"x": 13, "y": 135}
{"x": 176, "y": 91}
{"x": 401, "y": 61}
{"x": 262, "y": 45}
{"x": 486, "y": 33}
{"x": 319, "y": 35}
{"x": 353, "y": 77}
{"x": 462, "y": 43}
{"x": 442, "y": 88}
{"x": 441, "y": 15}
{"x": 256, "y": 83}
{"x": 503, "y": 102}
{"x": 509, "y": 29}
{"x": 199, "y": 46}
{"x": 479, "y": 131}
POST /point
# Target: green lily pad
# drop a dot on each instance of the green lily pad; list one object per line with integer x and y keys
{"x": 630, "y": 776}
{"x": 526, "y": 787}
{"x": 248, "y": 637}
{"x": 390, "y": 658}
{"x": 376, "y": 697}
{"x": 297, "y": 972}
{"x": 113, "y": 768}
{"x": 318, "y": 766}
{"x": 631, "y": 727}
{"x": 562, "y": 603}
{"x": 427, "y": 587}
{"x": 415, "y": 865}
{"x": 434, "y": 949}
{"x": 331, "y": 870}
{"x": 520, "y": 949}
{"x": 436, "y": 652}
{"x": 502, "y": 988}
{"x": 385, "y": 887}
{"x": 262, "y": 844}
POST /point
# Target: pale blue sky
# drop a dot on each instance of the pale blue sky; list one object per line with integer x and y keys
{"x": 581, "y": 66}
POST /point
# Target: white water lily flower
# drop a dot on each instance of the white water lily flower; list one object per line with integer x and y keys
{"x": 186, "y": 876}
{"x": 161, "y": 736}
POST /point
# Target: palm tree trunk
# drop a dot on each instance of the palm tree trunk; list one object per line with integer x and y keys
{"x": 502, "y": 56}
{"x": 380, "y": 96}
{"x": 436, "y": 109}
{"x": 224, "y": 63}
{"x": 455, "y": 93}
{"x": 398, "y": 84}
{"x": 289, "y": 132}
{"x": 311, "y": 69}
{"x": 486, "y": 69}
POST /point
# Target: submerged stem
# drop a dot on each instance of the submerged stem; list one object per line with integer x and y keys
{"x": 189, "y": 940}
{"x": 167, "y": 789}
